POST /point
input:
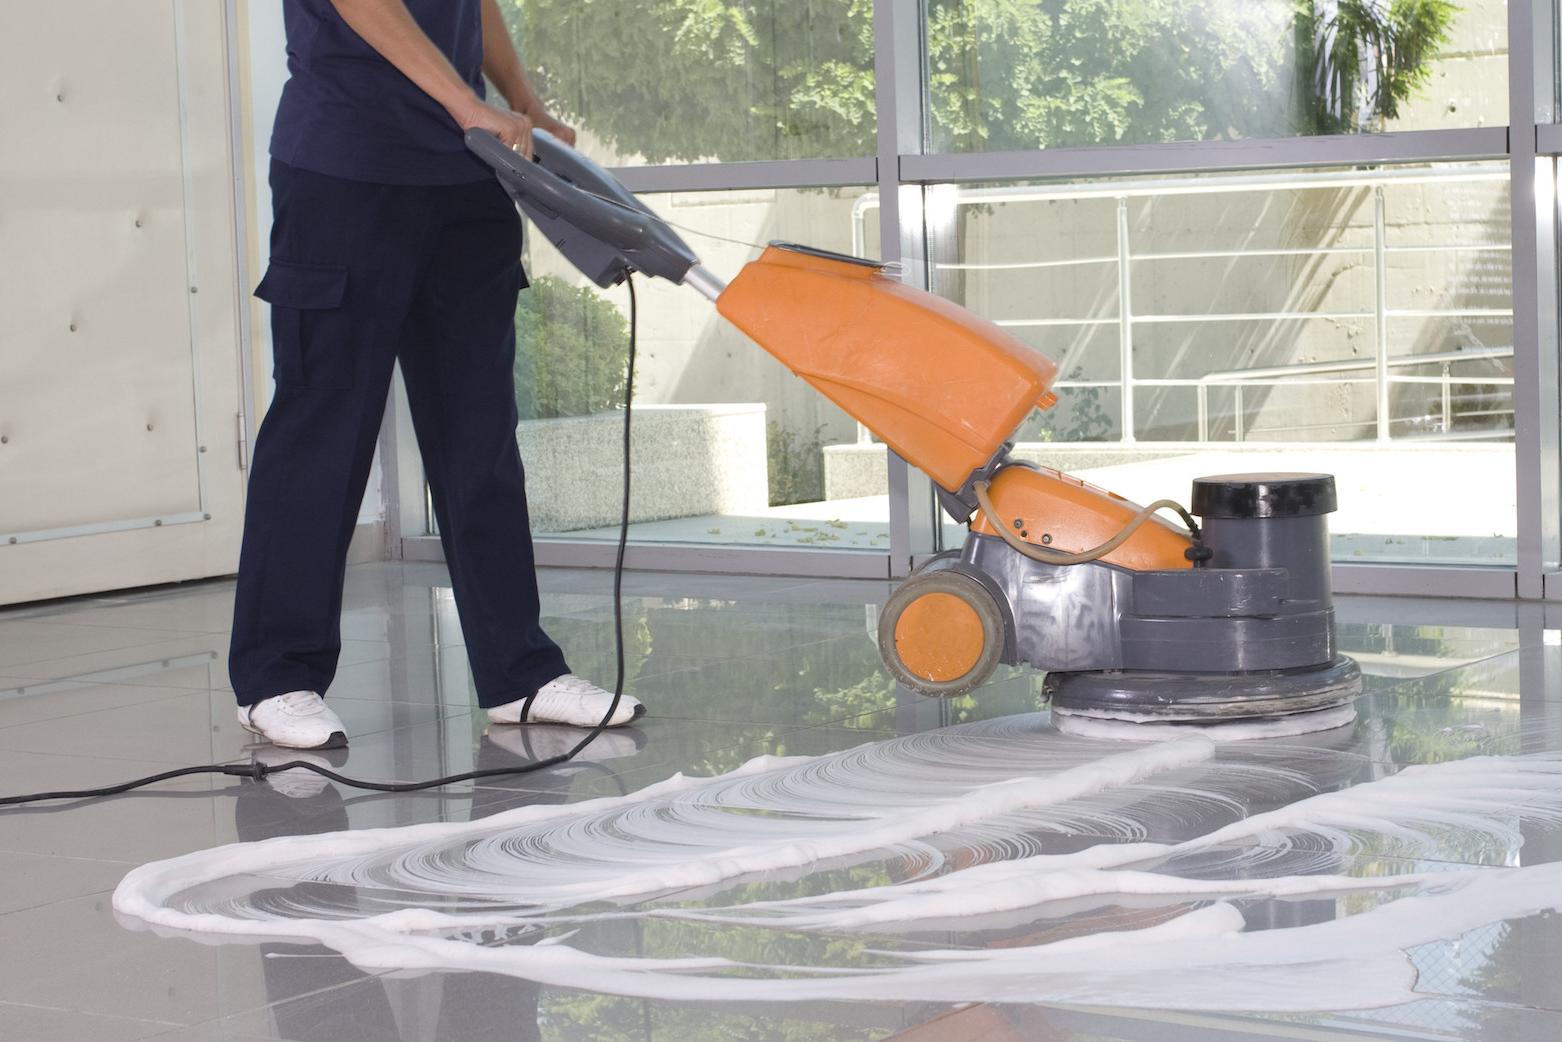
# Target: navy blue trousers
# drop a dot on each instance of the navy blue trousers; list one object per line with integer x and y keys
{"x": 361, "y": 276}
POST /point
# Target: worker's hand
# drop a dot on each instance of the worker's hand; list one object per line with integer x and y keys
{"x": 557, "y": 127}
{"x": 512, "y": 128}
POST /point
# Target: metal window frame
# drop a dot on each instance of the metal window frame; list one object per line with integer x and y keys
{"x": 1532, "y": 101}
{"x": 1192, "y": 157}
{"x": 781, "y": 173}
{"x": 902, "y": 169}
{"x": 687, "y": 557}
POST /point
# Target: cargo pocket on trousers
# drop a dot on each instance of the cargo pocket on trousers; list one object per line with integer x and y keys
{"x": 312, "y": 339}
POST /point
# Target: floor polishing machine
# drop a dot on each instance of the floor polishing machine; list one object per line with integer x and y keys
{"x": 1226, "y": 617}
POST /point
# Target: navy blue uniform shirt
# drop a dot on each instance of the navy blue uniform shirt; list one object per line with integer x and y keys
{"x": 349, "y": 113}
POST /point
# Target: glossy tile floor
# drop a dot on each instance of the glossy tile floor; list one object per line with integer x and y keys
{"x": 101, "y": 689}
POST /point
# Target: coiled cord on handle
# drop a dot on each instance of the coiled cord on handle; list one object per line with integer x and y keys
{"x": 1046, "y": 555}
{"x": 257, "y": 771}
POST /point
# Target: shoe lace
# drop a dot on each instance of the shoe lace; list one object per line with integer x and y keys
{"x": 299, "y": 701}
{"x": 570, "y": 684}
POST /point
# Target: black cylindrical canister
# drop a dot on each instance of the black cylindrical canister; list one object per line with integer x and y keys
{"x": 1271, "y": 521}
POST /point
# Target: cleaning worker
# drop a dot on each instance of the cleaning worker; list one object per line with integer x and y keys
{"x": 390, "y": 241}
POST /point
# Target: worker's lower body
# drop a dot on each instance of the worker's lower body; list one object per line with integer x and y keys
{"x": 363, "y": 276}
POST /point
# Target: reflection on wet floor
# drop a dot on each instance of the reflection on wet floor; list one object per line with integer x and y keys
{"x": 736, "y": 668}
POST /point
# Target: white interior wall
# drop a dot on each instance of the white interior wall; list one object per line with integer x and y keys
{"x": 119, "y": 302}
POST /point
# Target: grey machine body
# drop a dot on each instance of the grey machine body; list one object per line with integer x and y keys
{"x": 1248, "y": 632}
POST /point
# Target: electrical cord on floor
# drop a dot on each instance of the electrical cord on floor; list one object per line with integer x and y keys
{"x": 257, "y": 771}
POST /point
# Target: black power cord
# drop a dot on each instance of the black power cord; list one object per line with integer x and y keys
{"x": 257, "y": 771}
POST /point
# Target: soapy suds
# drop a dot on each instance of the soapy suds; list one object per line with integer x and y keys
{"x": 1138, "y": 727}
{"x": 970, "y": 819}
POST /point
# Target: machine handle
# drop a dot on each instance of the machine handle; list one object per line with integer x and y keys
{"x": 563, "y": 188}
{"x": 609, "y": 220}
{"x": 573, "y": 168}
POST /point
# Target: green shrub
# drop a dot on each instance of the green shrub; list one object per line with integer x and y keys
{"x": 796, "y": 465}
{"x": 1360, "y": 60}
{"x": 571, "y": 351}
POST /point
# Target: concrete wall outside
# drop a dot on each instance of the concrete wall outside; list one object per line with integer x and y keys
{"x": 689, "y": 461}
{"x": 1341, "y": 285}
{"x": 854, "y": 471}
{"x": 688, "y": 354}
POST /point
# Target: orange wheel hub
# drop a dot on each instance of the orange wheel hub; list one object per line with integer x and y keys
{"x": 939, "y": 637}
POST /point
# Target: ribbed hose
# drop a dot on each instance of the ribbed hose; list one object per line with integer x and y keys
{"x": 1095, "y": 553}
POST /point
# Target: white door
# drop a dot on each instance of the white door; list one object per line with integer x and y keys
{"x": 120, "y": 302}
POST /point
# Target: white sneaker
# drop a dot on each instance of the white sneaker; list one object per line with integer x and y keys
{"x": 567, "y": 700}
{"x": 296, "y": 720}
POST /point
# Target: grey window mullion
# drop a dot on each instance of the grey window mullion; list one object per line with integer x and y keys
{"x": 1538, "y": 471}
{"x": 897, "y": 30}
{"x": 780, "y": 173}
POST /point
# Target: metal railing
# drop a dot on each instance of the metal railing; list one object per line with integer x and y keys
{"x": 1284, "y": 375}
{"x": 944, "y": 199}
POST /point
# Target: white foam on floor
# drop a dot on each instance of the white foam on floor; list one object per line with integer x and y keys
{"x": 1120, "y": 726}
{"x": 963, "y": 814}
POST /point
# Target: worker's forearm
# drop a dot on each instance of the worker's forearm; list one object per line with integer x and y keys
{"x": 388, "y": 27}
{"x": 502, "y": 65}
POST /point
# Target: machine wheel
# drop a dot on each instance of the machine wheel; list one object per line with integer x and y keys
{"x": 941, "y": 634}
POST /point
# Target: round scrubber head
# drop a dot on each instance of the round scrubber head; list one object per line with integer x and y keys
{"x": 1263, "y": 704}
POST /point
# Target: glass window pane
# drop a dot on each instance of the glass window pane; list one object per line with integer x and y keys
{"x": 1073, "y": 73}
{"x": 667, "y": 81}
{"x": 1349, "y": 321}
{"x": 730, "y": 447}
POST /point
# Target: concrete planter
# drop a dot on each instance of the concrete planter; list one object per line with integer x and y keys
{"x": 855, "y": 470}
{"x": 689, "y": 461}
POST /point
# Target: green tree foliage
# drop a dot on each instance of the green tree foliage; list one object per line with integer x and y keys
{"x": 703, "y": 79}
{"x": 796, "y": 465}
{"x": 1014, "y": 74}
{"x": 572, "y": 351}
{"x": 765, "y": 79}
{"x": 1365, "y": 58}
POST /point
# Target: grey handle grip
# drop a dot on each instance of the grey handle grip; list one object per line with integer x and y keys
{"x": 541, "y": 186}
{"x": 570, "y": 197}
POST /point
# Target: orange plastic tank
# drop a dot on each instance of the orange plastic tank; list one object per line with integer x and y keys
{"x": 941, "y": 386}
{"x": 1049, "y": 508}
